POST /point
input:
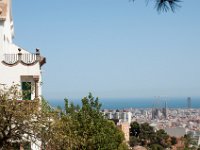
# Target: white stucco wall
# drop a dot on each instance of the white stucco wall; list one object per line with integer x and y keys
{"x": 10, "y": 75}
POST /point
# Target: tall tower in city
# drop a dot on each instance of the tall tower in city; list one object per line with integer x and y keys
{"x": 165, "y": 110}
{"x": 189, "y": 102}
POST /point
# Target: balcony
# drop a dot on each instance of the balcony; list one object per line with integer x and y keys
{"x": 27, "y": 59}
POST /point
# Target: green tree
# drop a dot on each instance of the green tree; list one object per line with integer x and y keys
{"x": 134, "y": 133}
{"x": 135, "y": 129}
{"x": 162, "y": 138}
{"x": 156, "y": 147}
{"x": 187, "y": 140}
{"x": 84, "y": 128}
{"x": 20, "y": 121}
{"x": 134, "y": 141}
{"x": 146, "y": 133}
{"x": 173, "y": 140}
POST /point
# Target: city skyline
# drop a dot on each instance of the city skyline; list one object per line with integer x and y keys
{"x": 112, "y": 49}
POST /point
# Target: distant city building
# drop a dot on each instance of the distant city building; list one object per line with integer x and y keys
{"x": 158, "y": 113}
{"x": 165, "y": 110}
{"x": 125, "y": 127}
{"x": 176, "y": 131}
{"x": 175, "y": 121}
{"x": 189, "y": 102}
{"x": 123, "y": 116}
{"x": 154, "y": 113}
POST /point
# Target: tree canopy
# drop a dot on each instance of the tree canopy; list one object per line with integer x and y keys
{"x": 71, "y": 128}
{"x": 143, "y": 134}
{"x": 20, "y": 121}
{"x": 84, "y": 127}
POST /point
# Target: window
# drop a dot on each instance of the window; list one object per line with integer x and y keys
{"x": 26, "y": 90}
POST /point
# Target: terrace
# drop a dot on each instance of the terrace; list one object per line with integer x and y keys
{"x": 27, "y": 59}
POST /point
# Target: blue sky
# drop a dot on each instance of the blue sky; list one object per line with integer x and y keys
{"x": 112, "y": 48}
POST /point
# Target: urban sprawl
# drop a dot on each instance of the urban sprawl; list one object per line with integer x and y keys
{"x": 175, "y": 121}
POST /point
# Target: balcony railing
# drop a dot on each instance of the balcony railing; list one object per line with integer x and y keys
{"x": 27, "y": 59}
{"x": 24, "y": 58}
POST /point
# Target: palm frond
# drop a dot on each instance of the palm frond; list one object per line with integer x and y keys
{"x": 174, "y": 4}
{"x": 166, "y": 5}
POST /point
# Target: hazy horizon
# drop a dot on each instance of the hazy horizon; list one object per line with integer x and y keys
{"x": 125, "y": 103}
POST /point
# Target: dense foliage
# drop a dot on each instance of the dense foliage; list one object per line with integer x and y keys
{"x": 20, "y": 121}
{"x": 83, "y": 127}
{"x": 72, "y": 128}
{"x": 144, "y": 134}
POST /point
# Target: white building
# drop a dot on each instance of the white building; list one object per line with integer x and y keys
{"x": 126, "y": 116}
{"x": 17, "y": 65}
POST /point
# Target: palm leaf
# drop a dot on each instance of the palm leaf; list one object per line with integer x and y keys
{"x": 166, "y": 5}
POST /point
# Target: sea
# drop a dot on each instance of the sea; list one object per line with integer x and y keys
{"x": 126, "y": 103}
